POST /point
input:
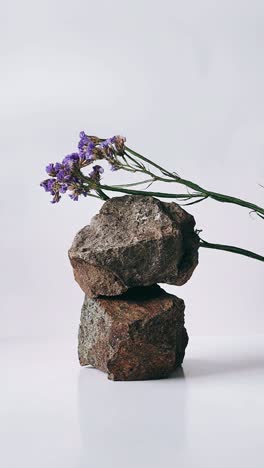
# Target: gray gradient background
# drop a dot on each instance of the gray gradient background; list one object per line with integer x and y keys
{"x": 183, "y": 81}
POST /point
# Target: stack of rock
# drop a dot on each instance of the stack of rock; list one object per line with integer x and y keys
{"x": 130, "y": 327}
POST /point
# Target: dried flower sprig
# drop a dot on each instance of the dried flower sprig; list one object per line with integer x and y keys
{"x": 68, "y": 176}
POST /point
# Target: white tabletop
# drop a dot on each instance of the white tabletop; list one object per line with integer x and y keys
{"x": 54, "y": 414}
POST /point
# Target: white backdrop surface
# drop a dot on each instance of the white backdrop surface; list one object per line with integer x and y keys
{"x": 183, "y": 81}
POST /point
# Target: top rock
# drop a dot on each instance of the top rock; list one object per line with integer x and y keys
{"x": 134, "y": 241}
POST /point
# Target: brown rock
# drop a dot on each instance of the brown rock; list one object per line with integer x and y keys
{"x": 137, "y": 336}
{"x": 134, "y": 241}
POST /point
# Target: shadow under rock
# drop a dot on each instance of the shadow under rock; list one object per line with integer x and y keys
{"x": 138, "y": 293}
{"x": 177, "y": 374}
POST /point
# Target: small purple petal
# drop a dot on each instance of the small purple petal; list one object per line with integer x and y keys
{"x": 71, "y": 158}
{"x": 50, "y": 169}
{"x": 74, "y": 197}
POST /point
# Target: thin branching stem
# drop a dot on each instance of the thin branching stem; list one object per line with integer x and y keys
{"x": 128, "y": 191}
{"x": 203, "y": 192}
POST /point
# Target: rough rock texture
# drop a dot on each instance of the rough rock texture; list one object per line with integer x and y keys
{"x": 139, "y": 335}
{"x": 134, "y": 241}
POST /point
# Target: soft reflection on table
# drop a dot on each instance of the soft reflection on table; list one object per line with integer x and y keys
{"x": 207, "y": 415}
{"x": 54, "y": 414}
{"x": 131, "y": 422}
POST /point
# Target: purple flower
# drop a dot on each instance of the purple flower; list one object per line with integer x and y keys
{"x": 84, "y": 140}
{"x": 89, "y": 151}
{"x": 63, "y": 188}
{"x": 61, "y": 175}
{"x": 74, "y": 196}
{"x": 113, "y": 147}
{"x": 66, "y": 176}
{"x": 99, "y": 169}
{"x": 106, "y": 143}
{"x": 48, "y": 184}
{"x": 96, "y": 173}
{"x": 57, "y": 167}
{"x": 71, "y": 159}
{"x": 50, "y": 169}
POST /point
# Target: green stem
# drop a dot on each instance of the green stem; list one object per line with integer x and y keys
{"x": 98, "y": 188}
{"x": 142, "y": 182}
{"x": 101, "y": 194}
{"x": 147, "y": 193}
{"x": 214, "y": 195}
{"x": 140, "y": 156}
{"x": 221, "y": 197}
{"x": 233, "y": 249}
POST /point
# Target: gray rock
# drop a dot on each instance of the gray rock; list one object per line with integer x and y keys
{"x": 134, "y": 241}
{"x": 137, "y": 336}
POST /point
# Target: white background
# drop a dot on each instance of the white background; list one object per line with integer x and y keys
{"x": 183, "y": 81}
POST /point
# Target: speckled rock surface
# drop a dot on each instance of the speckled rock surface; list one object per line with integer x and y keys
{"x": 134, "y": 241}
{"x": 137, "y": 336}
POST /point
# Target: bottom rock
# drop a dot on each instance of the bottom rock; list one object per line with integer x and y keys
{"x": 139, "y": 335}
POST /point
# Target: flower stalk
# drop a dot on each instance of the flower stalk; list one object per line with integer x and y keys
{"x": 198, "y": 189}
{"x": 68, "y": 176}
{"x": 232, "y": 249}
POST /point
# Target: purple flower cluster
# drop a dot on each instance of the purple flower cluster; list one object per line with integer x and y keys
{"x": 63, "y": 177}
{"x": 67, "y": 175}
{"x": 92, "y": 148}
